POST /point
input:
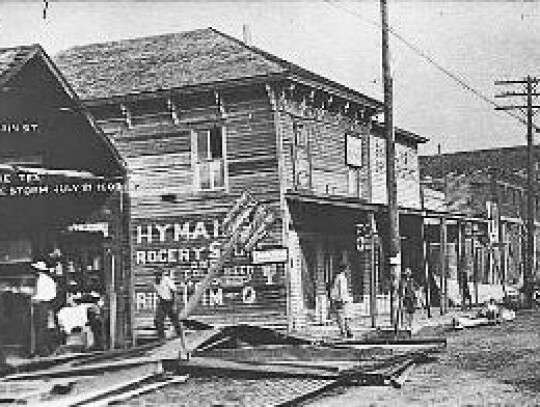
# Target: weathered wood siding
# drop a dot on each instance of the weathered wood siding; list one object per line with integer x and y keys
{"x": 177, "y": 227}
{"x": 315, "y": 163}
{"x": 407, "y": 173}
{"x": 325, "y": 152}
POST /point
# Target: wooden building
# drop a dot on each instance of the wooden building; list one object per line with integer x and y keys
{"x": 490, "y": 185}
{"x": 200, "y": 117}
{"x": 61, "y": 198}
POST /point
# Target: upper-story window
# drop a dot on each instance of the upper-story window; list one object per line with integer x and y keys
{"x": 208, "y": 146}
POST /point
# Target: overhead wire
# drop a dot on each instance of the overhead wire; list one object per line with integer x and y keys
{"x": 417, "y": 50}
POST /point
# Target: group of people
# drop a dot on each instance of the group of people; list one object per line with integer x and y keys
{"x": 340, "y": 297}
{"x": 59, "y": 316}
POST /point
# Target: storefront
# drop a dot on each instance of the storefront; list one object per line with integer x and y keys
{"x": 62, "y": 202}
{"x": 251, "y": 288}
{"x": 326, "y": 233}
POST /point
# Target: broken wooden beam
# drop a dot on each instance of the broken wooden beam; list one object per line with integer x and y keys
{"x": 90, "y": 369}
{"x": 202, "y": 366}
{"x": 397, "y": 381}
{"x": 93, "y": 396}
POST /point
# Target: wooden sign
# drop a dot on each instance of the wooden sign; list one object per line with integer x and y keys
{"x": 279, "y": 255}
{"x": 353, "y": 150}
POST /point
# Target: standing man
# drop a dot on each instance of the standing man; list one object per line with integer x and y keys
{"x": 465, "y": 292}
{"x": 340, "y": 297}
{"x": 409, "y": 298}
{"x": 42, "y": 310}
{"x": 166, "y": 292}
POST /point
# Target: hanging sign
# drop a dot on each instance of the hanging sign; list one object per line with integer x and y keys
{"x": 353, "y": 151}
{"x": 279, "y": 255}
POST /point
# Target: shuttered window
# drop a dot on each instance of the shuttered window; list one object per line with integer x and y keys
{"x": 208, "y": 146}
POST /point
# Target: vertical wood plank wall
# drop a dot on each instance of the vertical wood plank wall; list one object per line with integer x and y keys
{"x": 158, "y": 154}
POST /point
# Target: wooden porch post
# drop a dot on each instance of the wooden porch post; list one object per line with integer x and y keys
{"x": 373, "y": 272}
{"x": 442, "y": 262}
{"x": 425, "y": 264}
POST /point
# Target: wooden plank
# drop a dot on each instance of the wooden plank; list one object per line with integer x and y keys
{"x": 125, "y": 396}
{"x": 86, "y": 398}
{"x": 399, "y": 380}
{"x": 36, "y": 389}
{"x": 305, "y": 394}
{"x": 82, "y": 370}
{"x": 207, "y": 365}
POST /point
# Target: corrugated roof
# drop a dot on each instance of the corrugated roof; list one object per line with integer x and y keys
{"x": 12, "y": 60}
{"x": 174, "y": 61}
{"x": 160, "y": 62}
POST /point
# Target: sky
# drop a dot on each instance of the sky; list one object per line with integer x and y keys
{"x": 477, "y": 42}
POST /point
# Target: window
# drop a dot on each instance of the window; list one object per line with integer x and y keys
{"x": 209, "y": 159}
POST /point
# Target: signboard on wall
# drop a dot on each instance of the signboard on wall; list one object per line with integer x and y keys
{"x": 407, "y": 173}
{"x": 493, "y": 225}
{"x": 187, "y": 249}
{"x": 353, "y": 150}
{"x": 279, "y": 255}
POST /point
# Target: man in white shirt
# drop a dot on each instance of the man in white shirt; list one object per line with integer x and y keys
{"x": 340, "y": 297}
{"x": 42, "y": 309}
{"x": 166, "y": 291}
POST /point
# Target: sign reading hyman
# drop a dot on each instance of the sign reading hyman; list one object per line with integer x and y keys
{"x": 187, "y": 249}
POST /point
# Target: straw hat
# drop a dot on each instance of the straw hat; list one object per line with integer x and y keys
{"x": 40, "y": 266}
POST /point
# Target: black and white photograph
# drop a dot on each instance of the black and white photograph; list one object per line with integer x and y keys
{"x": 327, "y": 203}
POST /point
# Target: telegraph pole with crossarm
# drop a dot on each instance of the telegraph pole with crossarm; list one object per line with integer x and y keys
{"x": 530, "y": 93}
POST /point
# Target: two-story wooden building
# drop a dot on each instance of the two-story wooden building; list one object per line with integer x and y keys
{"x": 61, "y": 190}
{"x": 201, "y": 116}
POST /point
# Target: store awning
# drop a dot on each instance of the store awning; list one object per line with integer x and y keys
{"x": 332, "y": 200}
{"x": 327, "y": 214}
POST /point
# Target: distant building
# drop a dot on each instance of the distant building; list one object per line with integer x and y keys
{"x": 489, "y": 184}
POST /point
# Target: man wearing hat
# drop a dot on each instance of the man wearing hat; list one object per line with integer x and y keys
{"x": 166, "y": 291}
{"x": 339, "y": 295}
{"x": 42, "y": 310}
{"x": 409, "y": 298}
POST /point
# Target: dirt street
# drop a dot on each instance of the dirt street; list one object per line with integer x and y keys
{"x": 484, "y": 366}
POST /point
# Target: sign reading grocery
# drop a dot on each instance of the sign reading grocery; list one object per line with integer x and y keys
{"x": 209, "y": 260}
{"x": 178, "y": 243}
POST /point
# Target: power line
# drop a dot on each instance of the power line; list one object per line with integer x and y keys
{"x": 417, "y": 50}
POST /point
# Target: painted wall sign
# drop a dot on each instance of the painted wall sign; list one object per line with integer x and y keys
{"x": 18, "y": 127}
{"x": 33, "y": 188}
{"x": 99, "y": 227}
{"x": 353, "y": 153}
{"x": 270, "y": 256}
{"x": 238, "y": 285}
{"x": 407, "y": 173}
{"x": 186, "y": 249}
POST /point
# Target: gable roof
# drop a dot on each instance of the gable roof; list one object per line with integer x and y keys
{"x": 12, "y": 62}
{"x": 174, "y": 61}
{"x": 13, "y": 59}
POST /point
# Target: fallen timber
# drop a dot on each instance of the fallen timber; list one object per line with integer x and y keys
{"x": 243, "y": 353}
{"x": 87, "y": 370}
{"x": 115, "y": 392}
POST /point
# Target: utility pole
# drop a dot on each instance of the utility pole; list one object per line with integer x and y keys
{"x": 394, "y": 252}
{"x": 529, "y": 93}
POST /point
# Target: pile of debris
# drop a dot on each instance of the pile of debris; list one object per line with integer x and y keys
{"x": 288, "y": 368}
